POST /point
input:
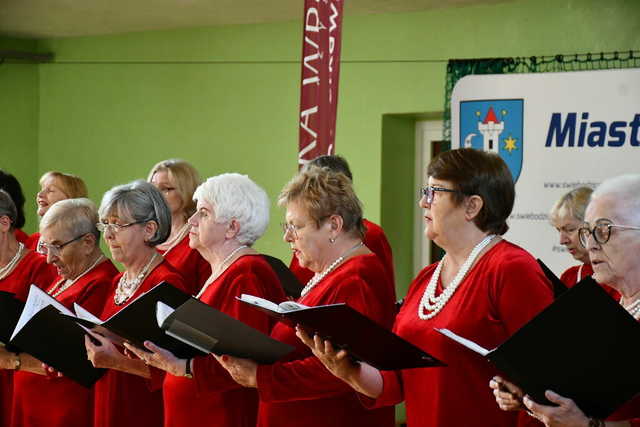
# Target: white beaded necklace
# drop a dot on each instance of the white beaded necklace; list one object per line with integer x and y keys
{"x": 220, "y": 268}
{"x": 126, "y": 287}
{"x": 4, "y": 271}
{"x": 634, "y": 308}
{"x": 430, "y": 305}
{"x": 318, "y": 277}
{"x": 64, "y": 284}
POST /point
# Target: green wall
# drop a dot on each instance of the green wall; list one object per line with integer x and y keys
{"x": 226, "y": 98}
{"x": 19, "y": 122}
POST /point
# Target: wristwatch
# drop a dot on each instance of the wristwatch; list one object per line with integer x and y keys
{"x": 17, "y": 362}
{"x": 187, "y": 370}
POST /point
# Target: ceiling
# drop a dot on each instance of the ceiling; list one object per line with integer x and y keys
{"x": 71, "y": 18}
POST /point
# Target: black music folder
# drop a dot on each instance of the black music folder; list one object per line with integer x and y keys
{"x": 55, "y": 339}
{"x": 558, "y": 286}
{"x": 351, "y": 330}
{"x": 10, "y": 309}
{"x": 584, "y": 346}
{"x": 136, "y": 323}
{"x": 212, "y": 331}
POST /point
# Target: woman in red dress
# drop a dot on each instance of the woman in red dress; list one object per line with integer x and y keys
{"x": 611, "y": 234}
{"x": 567, "y": 215}
{"x": 324, "y": 228}
{"x": 484, "y": 288}
{"x": 232, "y": 213}
{"x": 177, "y": 180}
{"x": 19, "y": 268}
{"x": 55, "y": 186}
{"x": 134, "y": 219}
{"x": 70, "y": 241}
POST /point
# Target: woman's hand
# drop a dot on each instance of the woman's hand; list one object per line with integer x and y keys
{"x": 104, "y": 353}
{"x": 566, "y": 414}
{"x": 51, "y": 372}
{"x": 337, "y": 362}
{"x": 508, "y": 395}
{"x": 160, "y": 358}
{"x": 7, "y": 359}
{"x": 243, "y": 371}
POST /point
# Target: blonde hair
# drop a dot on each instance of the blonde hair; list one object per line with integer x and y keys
{"x": 574, "y": 203}
{"x": 184, "y": 176}
{"x": 323, "y": 193}
{"x": 71, "y": 185}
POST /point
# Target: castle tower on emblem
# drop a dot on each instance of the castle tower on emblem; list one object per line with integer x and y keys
{"x": 491, "y": 128}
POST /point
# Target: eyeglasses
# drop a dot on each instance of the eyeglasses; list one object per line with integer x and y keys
{"x": 54, "y": 250}
{"x": 116, "y": 228}
{"x": 601, "y": 232}
{"x": 290, "y": 228}
{"x": 429, "y": 192}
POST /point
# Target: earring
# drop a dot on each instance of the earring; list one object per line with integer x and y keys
{"x": 332, "y": 240}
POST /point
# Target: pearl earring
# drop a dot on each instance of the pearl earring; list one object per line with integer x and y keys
{"x": 332, "y": 240}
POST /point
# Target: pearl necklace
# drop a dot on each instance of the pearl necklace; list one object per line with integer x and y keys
{"x": 126, "y": 288}
{"x": 430, "y": 305}
{"x": 220, "y": 268}
{"x": 4, "y": 271}
{"x": 319, "y": 276}
{"x": 634, "y": 308}
{"x": 59, "y": 287}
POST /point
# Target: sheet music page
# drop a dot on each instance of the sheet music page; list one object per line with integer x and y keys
{"x": 82, "y": 313}
{"x": 162, "y": 312}
{"x": 465, "y": 342}
{"x": 36, "y": 301}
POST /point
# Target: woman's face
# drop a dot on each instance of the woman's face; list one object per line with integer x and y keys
{"x": 50, "y": 192}
{"x": 69, "y": 259}
{"x": 308, "y": 242}
{"x": 567, "y": 226}
{"x": 205, "y": 233}
{"x": 616, "y": 261}
{"x": 127, "y": 240}
{"x": 441, "y": 215}
{"x": 164, "y": 182}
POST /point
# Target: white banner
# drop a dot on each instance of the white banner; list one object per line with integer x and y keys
{"x": 556, "y": 131}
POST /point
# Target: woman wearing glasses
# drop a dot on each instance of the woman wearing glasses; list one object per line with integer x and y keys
{"x": 177, "y": 180}
{"x": 70, "y": 241}
{"x": 567, "y": 215}
{"x": 232, "y": 213}
{"x": 484, "y": 288}
{"x": 19, "y": 268}
{"x": 134, "y": 218}
{"x": 324, "y": 229}
{"x": 611, "y": 234}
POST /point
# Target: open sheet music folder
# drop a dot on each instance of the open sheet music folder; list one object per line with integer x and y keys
{"x": 584, "y": 346}
{"x": 351, "y": 330}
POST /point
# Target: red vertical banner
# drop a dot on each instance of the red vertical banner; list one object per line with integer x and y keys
{"x": 320, "y": 76}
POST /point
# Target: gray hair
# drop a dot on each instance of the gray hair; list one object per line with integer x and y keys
{"x": 138, "y": 201}
{"x": 235, "y": 196}
{"x": 626, "y": 190}
{"x": 75, "y": 216}
{"x": 8, "y": 207}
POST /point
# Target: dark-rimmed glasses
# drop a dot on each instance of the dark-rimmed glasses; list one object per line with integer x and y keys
{"x": 48, "y": 248}
{"x": 601, "y": 232}
{"x": 429, "y": 192}
{"x": 115, "y": 228}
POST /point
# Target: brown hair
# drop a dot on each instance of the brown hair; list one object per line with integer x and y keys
{"x": 185, "y": 178}
{"x": 323, "y": 193}
{"x": 475, "y": 172}
{"x": 71, "y": 185}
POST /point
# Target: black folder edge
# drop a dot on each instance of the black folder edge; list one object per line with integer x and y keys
{"x": 10, "y": 313}
{"x": 559, "y": 287}
{"x": 422, "y": 359}
{"x": 290, "y": 283}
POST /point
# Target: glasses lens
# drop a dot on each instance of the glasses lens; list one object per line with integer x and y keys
{"x": 583, "y": 235}
{"x": 602, "y": 233}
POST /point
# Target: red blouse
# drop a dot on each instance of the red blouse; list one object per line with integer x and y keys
{"x": 32, "y": 241}
{"x": 126, "y": 400}
{"x": 504, "y": 290}
{"x": 570, "y": 278}
{"x": 194, "y": 269}
{"x": 39, "y": 400}
{"x": 299, "y": 391}
{"x": 375, "y": 240}
{"x": 212, "y": 397}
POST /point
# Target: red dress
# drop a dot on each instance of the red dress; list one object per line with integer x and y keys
{"x": 32, "y": 269}
{"x": 194, "y": 269}
{"x": 32, "y": 241}
{"x": 39, "y": 400}
{"x": 578, "y": 272}
{"x": 299, "y": 391}
{"x": 127, "y": 400}
{"x": 375, "y": 240}
{"x": 504, "y": 290}
{"x": 212, "y": 397}
{"x": 21, "y": 236}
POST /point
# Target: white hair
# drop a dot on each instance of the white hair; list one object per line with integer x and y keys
{"x": 625, "y": 189}
{"x": 73, "y": 216}
{"x": 235, "y": 196}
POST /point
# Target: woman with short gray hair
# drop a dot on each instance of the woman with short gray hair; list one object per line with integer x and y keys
{"x": 134, "y": 219}
{"x": 69, "y": 240}
{"x": 232, "y": 213}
